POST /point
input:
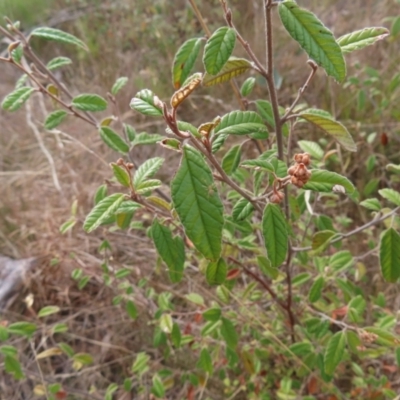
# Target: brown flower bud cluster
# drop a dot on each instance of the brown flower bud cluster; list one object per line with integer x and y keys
{"x": 277, "y": 197}
{"x": 299, "y": 172}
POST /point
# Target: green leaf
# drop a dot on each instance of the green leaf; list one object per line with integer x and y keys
{"x": 258, "y": 164}
{"x": 166, "y": 323}
{"x": 233, "y": 67}
{"x": 300, "y": 279}
{"x": 54, "y": 119}
{"x": 8, "y": 350}
{"x": 218, "y": 49}
{"x": 45, "y": 311}
{"x": 17, "y": 54}
{"x": 216, "y": 272}
{"x": 158, "y": 388}
{"x": 275, "y": 234}
{"x": 89, "y": 102}
{"x": 359, "y": 39}
{"x": 171, "y": 144}
{"x": 371, "y": 204}
{"x": 67, "y": 225}
{"x": 314, "y": 37}
{"x": 184, "y": 61}
{"x": 131, "y": 309}
{"x": 21, "y": 81}
{"x": 248, "y": 86}
{"x": 83, "y": 358}
{"x": 195, "y": 298}
{"x": 13, "y": 366}
{"x": 58, "y": 36}
{"x": 140, "y": 365}
{"x": 229, "y": 333}
{"x": 197, "y": 203}
{"x": 240, "y": 123}
{"x": 231, "y": 160}
{"x": 22, "y": 328}
{"x": 218, "y": 142}
{"x": 171, "y": 250}
{"x": 330, "y": 126}
{"x": 121, "y": 175}
{"x": 212, "y": 314}
{"x": 384, "y": 337}
{"x": 176, "y": 335}
{"x": 143, "y": 102}
{"x": 242, "y": 209}
{"x": 113, "y": 140}
{"x": 58, "y": 62}
{"x": 148, "y": 186}
{"x": 205, "y": 362}
{"x": 144, "y": 138}
{"x": 147, "y": 170}
{"x": 14, "y": 100}
{"x": 119, "y": 84}
{"x": 393, "y": 167}
{"x": 324, "y": 181}
{"x": 389, "y": 255}
{"x": 266, "y": 268}
{"x": 316, "y": 289}
{"x": 322, "y": 239}
{"x": 334, "y": 352}
{"x": 392, "y": 195}
{"x": 101, "y": 192}
{"x": 102, "y": 211}
{"x": 264, "y": 108}
{"x": 312, "y": 148}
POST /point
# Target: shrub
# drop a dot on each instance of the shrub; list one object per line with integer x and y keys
{"x": 288, "y": 315}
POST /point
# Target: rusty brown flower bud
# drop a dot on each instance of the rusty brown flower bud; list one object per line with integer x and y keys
{"x": 306, "y": 159}
{"x": 292, "y": 170}
{"x": 277, "y": 197}
{"x": 301, "y": 171}
{"x": 120, "y": 161}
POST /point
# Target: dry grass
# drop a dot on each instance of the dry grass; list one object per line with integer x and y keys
{"x": 32, "y": 207}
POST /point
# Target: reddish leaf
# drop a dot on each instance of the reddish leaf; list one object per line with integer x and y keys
{"x": 232, "y": 274}
{"x": 312, "y": 385}
{"x": 339, "y": 312}
{"x": 198, "y": 317}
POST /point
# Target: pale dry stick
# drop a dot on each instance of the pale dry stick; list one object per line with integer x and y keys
{"x": 42, "y": 145}
{"x": 93, "y": 153}
{"x": 40, "y": 370}
{"x": 355, "y": 231}
{"x": 45, "y": 114}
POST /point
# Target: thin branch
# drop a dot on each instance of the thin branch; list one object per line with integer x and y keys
{"x": 225, "y": 178}
{"x": 290, "y": 295}
{"x": 228, "y": 16}
{"x": 42, "y": 146}
{"x": 353, "y": 232}
{"x": 314, "y": 68}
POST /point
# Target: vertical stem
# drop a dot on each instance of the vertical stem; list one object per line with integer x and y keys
{"x": 270, "y": 77}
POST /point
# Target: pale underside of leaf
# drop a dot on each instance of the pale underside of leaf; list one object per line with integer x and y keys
{"x": 333, "y": 128}
{"x": 233, "y": 68}
{"x": 359, "y": 39}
